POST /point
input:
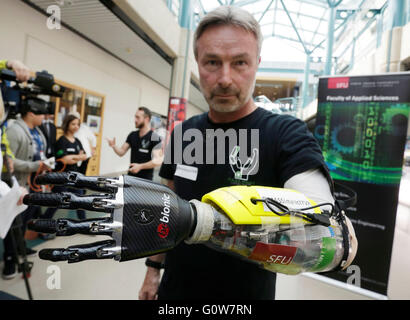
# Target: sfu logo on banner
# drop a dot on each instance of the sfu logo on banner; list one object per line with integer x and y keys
{"x": 338, "y": 83}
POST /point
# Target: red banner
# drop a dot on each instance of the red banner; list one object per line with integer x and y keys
{"x": 176, "y": 114}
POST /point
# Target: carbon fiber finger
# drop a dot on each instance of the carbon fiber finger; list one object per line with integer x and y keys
{"x": 96, "y": 250}
{"x": 67, "y": 200}
{"x": 78, "y": 180}
{"x": 68, "y": 227}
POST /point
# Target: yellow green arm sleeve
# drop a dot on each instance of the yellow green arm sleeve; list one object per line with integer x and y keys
{"x": 3, "y": 64}
{"x": 5, "y": 141}
{"x": 8, "y": 150}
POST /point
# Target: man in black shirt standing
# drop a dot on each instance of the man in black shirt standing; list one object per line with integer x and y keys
{"x": 146, "y": 151}
{"x": 264, "y": 149}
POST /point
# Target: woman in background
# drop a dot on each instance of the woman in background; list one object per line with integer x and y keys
{"x": 69, "y": 156}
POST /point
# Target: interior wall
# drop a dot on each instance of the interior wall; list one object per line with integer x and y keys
{"x": 72, "y": 59}
{"x": 164, "y": 31}
{"x": 405, "y": 48}
{"x": 378, "y": 60}
{"x": 383, "y": 61}
{"x": 192, "y": 110}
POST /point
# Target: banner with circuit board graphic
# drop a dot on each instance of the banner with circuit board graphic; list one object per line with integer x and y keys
{"x": 361, "y": 125}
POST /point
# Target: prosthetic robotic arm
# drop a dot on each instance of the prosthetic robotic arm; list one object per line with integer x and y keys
{"x": 279, "y": 229}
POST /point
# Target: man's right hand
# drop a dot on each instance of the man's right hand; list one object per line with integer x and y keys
{"x": 44, "y": 166}
{"x": 111, "y": 142}
{"x": 150, "y": 286}
{"x": 120, "y": 151}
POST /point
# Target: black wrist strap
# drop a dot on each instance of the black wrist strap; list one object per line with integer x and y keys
{"x": 349, "y": 198}
{"x": 154, "y": 264}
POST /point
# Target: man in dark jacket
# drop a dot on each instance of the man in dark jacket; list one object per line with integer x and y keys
{"x": 50, "y": 133}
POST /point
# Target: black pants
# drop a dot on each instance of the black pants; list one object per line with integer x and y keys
{"x": 9, "y": 241}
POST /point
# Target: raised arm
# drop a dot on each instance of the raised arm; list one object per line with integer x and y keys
{"x": 118, "y": 150}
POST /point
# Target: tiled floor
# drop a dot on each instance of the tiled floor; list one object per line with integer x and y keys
{"x": 109, "y": 279}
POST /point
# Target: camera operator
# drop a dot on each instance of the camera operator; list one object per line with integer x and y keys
{"x": 9, "y": 156}
{"x": 22, "y": 74}
{"x": 27, "y": 142}
{"x": 28, "y": 145}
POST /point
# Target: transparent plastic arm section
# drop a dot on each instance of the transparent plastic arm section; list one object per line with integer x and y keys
{"x": 279, "y": 229}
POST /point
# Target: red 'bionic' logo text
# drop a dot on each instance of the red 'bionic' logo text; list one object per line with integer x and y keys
{"x": 338, "y": 83}
{"x": 163, "y": 230}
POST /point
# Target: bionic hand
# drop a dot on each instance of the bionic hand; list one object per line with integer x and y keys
{"x": 279, "y": 229}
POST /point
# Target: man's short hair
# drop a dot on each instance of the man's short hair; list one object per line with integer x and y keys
{"x": 230, "y": 16}
{"x": 147, "y": 112}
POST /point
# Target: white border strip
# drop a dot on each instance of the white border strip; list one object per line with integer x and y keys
{"x": 346, "y": 286}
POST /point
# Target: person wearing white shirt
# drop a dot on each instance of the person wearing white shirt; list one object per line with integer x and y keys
{"x": 89, "y": 142}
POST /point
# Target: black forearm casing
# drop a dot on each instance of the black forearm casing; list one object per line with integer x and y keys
{"x": 155, "y": 219}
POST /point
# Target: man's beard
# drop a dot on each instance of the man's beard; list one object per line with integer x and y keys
{"x": 230, "y": 104}
{"x": 221, "y": 104}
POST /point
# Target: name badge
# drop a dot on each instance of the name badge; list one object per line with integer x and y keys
{"x": 143, "y": 150}
{"x": 187, "y": 172}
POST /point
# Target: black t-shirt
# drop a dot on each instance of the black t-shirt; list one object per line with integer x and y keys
{"x": 141, "y": 151}
{"x": 65, "y": 147}
{"x": 277, "y": 148}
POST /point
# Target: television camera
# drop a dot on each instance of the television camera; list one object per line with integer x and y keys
{"x": 19, "y": 97}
